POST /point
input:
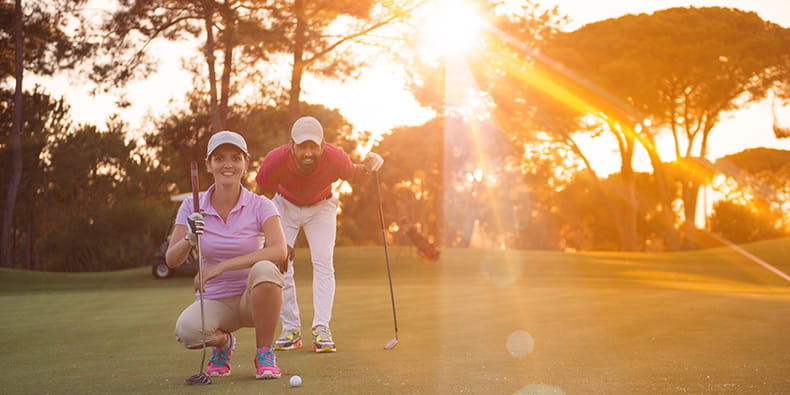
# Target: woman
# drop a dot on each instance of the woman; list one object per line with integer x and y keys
{"x": 244, "y": 252}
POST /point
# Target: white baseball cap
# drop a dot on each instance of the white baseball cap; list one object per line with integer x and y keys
{"x": 307, "y": 128}
{"x": 226, "y": 137}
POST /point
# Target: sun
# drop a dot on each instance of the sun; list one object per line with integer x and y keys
{"x": 448, "y": 27}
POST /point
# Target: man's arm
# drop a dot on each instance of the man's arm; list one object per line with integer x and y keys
{"x": 371, "y": 163}
{"x": 265, "y": 192}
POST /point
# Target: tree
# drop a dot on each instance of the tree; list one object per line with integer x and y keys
{"x": 45, "y": 118}
{"x": 16, "y": 147}
{"x": 315, "y": 47}
{"x": 102, "y": 217}
{"x": 681, "y": 67}
{"x": 249, "y": 35}
{"x": 761, "y": 178}
{"x": 42, "y": 46}
{"x": 411, "y": 183}
{"x": 479, "y": 149}
{"x": 740, "y": 223}
{"x": 226, "y": 26}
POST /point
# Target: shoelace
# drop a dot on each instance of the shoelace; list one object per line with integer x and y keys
{"x": 219, "y": 357}
{"x": 323, "y": 333}
{"x": 266, "y": 358}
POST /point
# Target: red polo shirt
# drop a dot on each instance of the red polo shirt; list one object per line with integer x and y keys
{"x": 278, "y": 172}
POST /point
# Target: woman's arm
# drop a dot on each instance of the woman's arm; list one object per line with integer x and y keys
{"x": 274, "y": 249}
{"x": 177, "y": 248}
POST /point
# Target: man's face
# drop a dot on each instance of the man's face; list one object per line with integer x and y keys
{"x": 306, "y": 155}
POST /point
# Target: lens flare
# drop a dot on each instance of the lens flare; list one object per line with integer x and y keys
{"x": 540, "y": 389}
{"x": 520, "y": 344}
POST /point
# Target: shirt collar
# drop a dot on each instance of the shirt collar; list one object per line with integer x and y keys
{"x": 245, "y": 198}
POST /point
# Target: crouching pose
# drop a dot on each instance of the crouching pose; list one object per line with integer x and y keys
{"x": 244, "y": 254}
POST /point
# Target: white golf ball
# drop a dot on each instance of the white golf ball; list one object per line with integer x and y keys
{"x": 296, "y": 381}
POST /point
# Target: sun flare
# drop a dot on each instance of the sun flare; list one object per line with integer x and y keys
{"x": 448, "y": 27}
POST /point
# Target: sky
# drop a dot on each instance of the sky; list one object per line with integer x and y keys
{"x": 378, "y": 101}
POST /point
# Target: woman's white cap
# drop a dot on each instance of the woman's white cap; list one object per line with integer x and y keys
{"x": 226, "y": 137}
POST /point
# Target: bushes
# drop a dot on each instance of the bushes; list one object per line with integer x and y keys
{"x": 118, "y": 237}
{"x": 739, "y": 223}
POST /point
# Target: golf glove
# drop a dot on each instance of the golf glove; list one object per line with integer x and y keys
{"x": 373, "y": 162}
{"x": 195, "y": 225}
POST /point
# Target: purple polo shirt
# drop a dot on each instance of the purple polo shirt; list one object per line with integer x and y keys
{"x": 240, "y": 235}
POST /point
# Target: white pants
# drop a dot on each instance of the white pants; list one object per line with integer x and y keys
{"x": 319, "y": 222}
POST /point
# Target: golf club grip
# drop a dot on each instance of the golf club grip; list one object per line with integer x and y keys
{"x": 193, "y": 170}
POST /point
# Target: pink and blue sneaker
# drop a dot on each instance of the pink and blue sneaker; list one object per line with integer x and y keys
{"x": 219, "y": 363}
{"x": 266, "y": 364}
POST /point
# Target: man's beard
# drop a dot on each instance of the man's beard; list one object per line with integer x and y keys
{"x": 307, "y": 168}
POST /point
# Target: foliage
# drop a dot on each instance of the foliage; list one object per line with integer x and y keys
{"x": 411, "y": 186}
{"x": 742, "y": 223}
{"x": 250, "y": 36}
{"x": 760, "y": 176}
{"x": 681, "y": 67}
{"x": 183, "y": 134}
{"x": 89, "y": 200}
{"x": 49, "y": 46}
{"x": 43, "y": 119}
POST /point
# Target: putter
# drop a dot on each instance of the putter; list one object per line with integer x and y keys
{"x": 200, "y": 378}
{"x": 394, "y": 342}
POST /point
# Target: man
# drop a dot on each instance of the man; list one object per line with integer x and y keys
{"x": 298, "y": 178}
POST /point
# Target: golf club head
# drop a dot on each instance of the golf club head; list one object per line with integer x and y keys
{"x": 391, "y": 344}
{"x": 198, "y": 379}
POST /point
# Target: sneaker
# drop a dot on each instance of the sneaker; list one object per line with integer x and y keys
{"x": 219, "y": 363}
{"x": 322, "y": 340}
{"x": 289, "y": 340}
{"x": 266, "y": 364}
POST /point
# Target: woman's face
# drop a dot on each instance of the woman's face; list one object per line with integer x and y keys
{"x": 227, "y": 164}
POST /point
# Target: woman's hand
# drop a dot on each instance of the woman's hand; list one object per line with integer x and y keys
{"x": 289, "y": 257}
{"x": 208, "y": 273}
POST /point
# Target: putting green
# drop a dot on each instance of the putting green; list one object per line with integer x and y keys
{"x": 476, "y": 321}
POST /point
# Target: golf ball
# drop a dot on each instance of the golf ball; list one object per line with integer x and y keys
{"x": 296, "y": 381}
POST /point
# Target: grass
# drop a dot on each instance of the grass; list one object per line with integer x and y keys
{"x": 698, "y": 322}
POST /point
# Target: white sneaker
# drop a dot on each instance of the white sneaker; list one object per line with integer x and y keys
{"x": 322, "y": 340}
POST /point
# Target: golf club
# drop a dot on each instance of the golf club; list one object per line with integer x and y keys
{"x": 199, "y": 378}
{"x": 394, "y": 342}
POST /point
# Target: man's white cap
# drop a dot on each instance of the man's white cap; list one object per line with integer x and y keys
{"x": 307, "y": 128}
{"x": 226, "y": 137}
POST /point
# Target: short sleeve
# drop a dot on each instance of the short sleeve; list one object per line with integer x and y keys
{"x": 184, "y": 211}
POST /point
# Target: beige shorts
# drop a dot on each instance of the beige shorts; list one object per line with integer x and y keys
{"x": 227, "y": 314}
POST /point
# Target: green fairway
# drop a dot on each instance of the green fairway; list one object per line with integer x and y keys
{"x": 692, "y": 322}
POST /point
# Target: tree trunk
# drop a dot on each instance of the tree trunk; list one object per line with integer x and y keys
{"x": 604, "y": 196}
{"x": 690, "y": 196}
{"x": 16, "y": 145}
{"x": 216, "y": 121}
{"x": 627, "y": 229}
{"x": 664, "y": 195}
{"x": 229, "y": 41}
{"x": 298, "y": 66}
{"x": 627, "y": 225}
{"x": 227, "y": 67}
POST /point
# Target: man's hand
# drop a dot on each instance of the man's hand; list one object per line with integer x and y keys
{"x": 373, "y": 162}
{"x": 195, "y": 225}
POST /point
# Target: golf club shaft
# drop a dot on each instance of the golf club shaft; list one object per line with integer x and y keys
{"x": 196, "y": 205}
{"x": 386, "y": 252}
